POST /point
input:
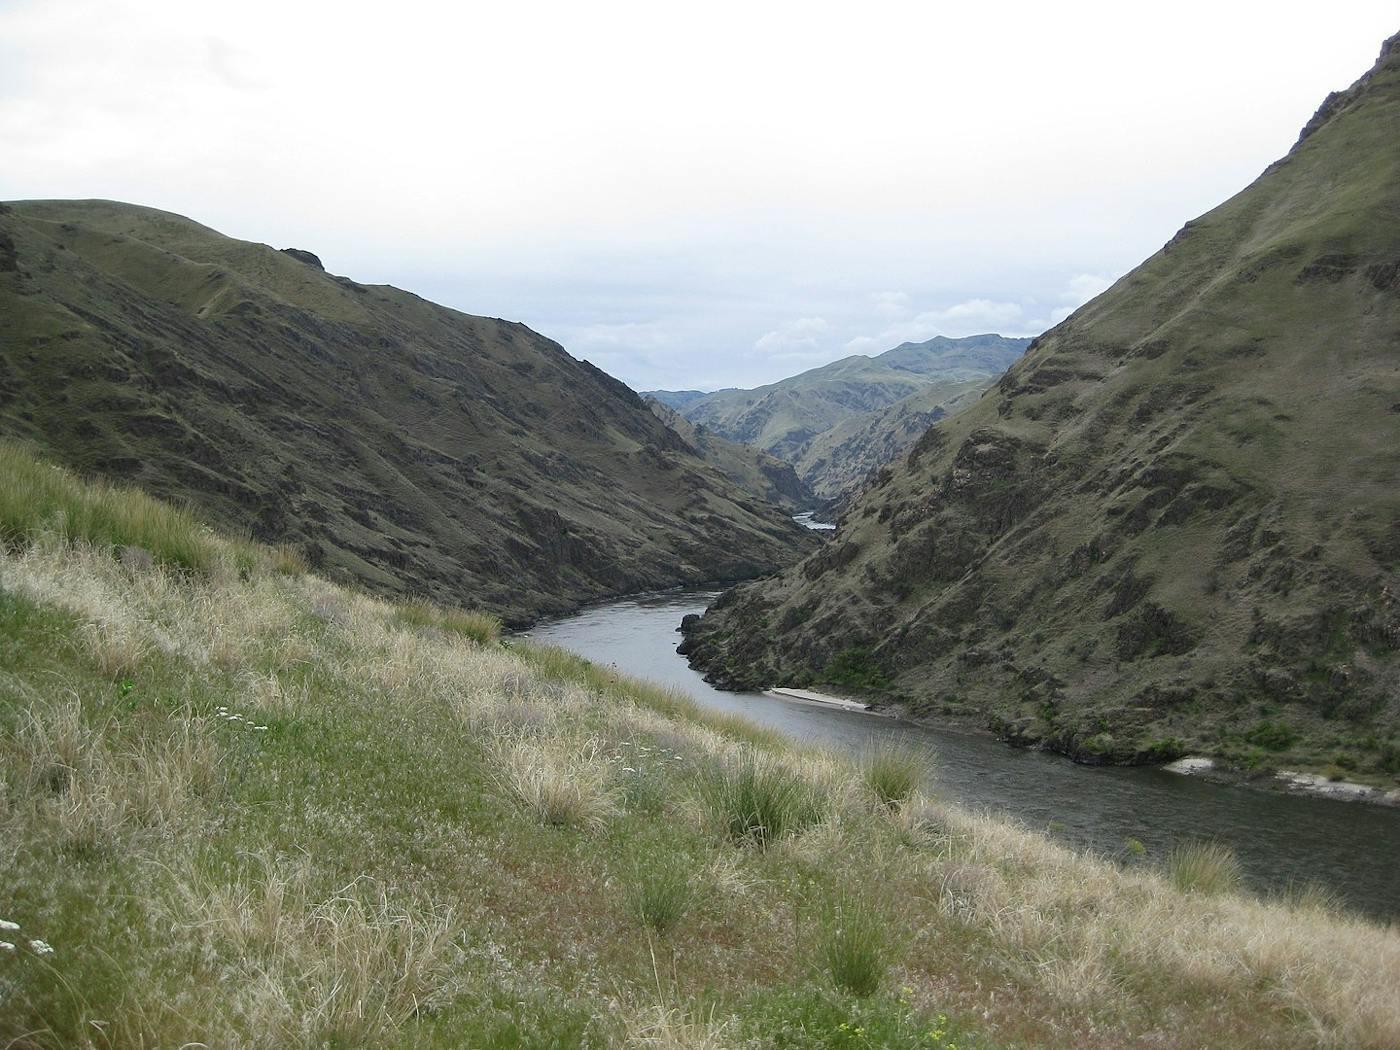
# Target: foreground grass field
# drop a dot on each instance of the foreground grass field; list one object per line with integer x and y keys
{"x": 243, "y": 807}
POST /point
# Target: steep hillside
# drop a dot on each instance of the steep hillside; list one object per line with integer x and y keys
{"x": 787, "y": 417}
{"x": 841, "y": 460}
{"x": 754, "y": 471}
{"x": 398, "y": 443}
{"x": 1176, "y": 524}
{"x": 254, "y": 808}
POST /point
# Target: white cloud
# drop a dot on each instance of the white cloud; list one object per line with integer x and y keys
{"x": 793, "y": 335}
{"x": 890, "y": 304}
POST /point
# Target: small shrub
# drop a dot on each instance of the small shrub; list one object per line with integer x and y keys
{"x": 757, "y": 800}
{"x": 661, "y": 895}
{"x": 1204, "y": 867}
{"x": 854, "y": 946}
{"x": 1272, "y": 736}
{"x": 893, "y": 772}
{"x": 857, "y": 669}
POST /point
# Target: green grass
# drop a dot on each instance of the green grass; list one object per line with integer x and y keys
{"x": 893, "y": 771}
{"x": 854, "y": 945}
{"x": 662, "y": 892}
{"x": 40, "y": 499}
{"x": 483, "y": 628}
{"x": 758, "y": 801}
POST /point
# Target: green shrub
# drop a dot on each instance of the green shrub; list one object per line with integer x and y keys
{"x": 854, "y": 946}
{"x": 893, "y": 771}
{"x": 857, "y": 669}
{"x": 757, "y": 800}
{"x": 1273, "y": 736}
{"x": 1204, "y": 867}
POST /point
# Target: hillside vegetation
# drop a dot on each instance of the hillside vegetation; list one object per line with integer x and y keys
{"x": 759, "y": 473}
{"x": 242, "y": 806}
{"x": 1175, "y": 526}
{"x": 842, "y": 460}
{"x": 399, "y": 444}
{"x": 795, "y": 418}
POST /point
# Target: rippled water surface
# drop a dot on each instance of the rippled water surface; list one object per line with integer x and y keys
{"x": 1351, "y": 848}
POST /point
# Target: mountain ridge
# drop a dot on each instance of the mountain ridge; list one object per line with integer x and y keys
{"x": 787, "y": 417}
{"x": 401, "y": 444}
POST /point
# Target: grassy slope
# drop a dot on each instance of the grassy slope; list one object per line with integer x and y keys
{"x": 759, "y": 473}
{"x": 840, "y": 461}
{"x": 1177, "y": 523}
{"x": 248, "y": 807}
{"x": 399, "y": 444}
{"x": 784, "y": 417}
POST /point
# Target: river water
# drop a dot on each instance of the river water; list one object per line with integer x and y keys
{"x": 1351, "y": 848}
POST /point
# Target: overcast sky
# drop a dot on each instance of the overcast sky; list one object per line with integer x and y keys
{"x": 694, "y": 195}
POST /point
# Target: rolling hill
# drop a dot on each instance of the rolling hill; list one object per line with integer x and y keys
{"x": 1175, "y": 525}
{"x": 397, "y": 443}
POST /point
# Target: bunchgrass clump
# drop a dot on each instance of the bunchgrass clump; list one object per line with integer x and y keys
{"x": 853, "y": 945}
{"x": 661, "y": 895}
{"x": 1207, "y": 868}
{"x": 893, "y": 772}
{"x": 481, "y": 627}
{"x": 756, "y": 799}
{"x": 560, "y": 782}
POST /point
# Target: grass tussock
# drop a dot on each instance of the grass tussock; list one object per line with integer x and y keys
{"x": 854, "y": 945}
{"x": 893, "y": 772}
{"x": 662, "y": 892}
{"x": 482, "y": 628}
{"x": 257, "y": 809}
{"x": 559, "y": 782}
{"x": 756, "y": 799}
{"x": 1204, "y": 867}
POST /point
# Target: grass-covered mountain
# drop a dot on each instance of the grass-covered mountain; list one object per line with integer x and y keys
{"x": 841, "y": 460}
{"x": 396, "y": 442}
{"x": 244, "y": 806}
{"x": 754, "y": 471}
{"x": 789, "y": 417}
{"x": 1176, "y": 523}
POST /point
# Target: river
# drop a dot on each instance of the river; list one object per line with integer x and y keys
{"x": 1351, "y": 848}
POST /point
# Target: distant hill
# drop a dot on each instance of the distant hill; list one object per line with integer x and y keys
{"x": 754, "y": 471}
{"x": 1175, "y": 524}
{"x": 841, "y": 460}
{"x": 399, "y": 443}
{"x": 788, "y": 417}
{"x": 675, "y": 399}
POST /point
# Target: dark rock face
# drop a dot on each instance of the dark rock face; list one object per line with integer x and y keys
{"x": 1174, "y": 519}
{"x": 400, "y": 444}
{"x": 304, "y": 256}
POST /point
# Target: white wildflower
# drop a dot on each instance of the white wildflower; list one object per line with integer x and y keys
{"x": 6, "y": 946}
{"x": 6, "y": 924}
{"x": 41, "y": 947}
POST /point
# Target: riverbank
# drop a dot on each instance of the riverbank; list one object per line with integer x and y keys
{"x": 243, "y": 806}
{"x": 1291, "y": 781}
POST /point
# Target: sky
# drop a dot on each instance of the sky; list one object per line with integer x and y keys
{"x": 687, "y": 195}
